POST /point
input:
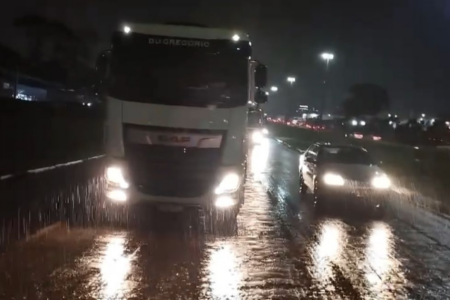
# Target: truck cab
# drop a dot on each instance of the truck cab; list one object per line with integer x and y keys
{"x": 176, "y": 101}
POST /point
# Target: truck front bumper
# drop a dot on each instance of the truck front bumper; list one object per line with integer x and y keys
{"x": 126, "y": 193}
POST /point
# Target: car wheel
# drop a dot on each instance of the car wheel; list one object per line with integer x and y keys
{"x": 303, "y": 186}
{"x": 319, "y": 199}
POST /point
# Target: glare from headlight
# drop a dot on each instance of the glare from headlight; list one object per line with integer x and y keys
{"x": 381, "y": 182}
{"x": 257, "y": 137}
{"x": 224, "y": 202}
{"x": 265, "y": 131}
{"x": 333, "y": 179}
{"x": 117, "y": 195}
{"x": 114, "y": 175}
{"x": 229, "y": 184}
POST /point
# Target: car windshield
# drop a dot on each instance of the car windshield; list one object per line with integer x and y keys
{"x": 345, "y": 155}
{"x": 207, "y": 73}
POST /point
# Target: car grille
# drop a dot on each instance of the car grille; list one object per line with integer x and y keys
{"x": 172, "y": 171}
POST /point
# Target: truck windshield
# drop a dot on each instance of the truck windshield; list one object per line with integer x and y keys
{"x": 175, "y": 75}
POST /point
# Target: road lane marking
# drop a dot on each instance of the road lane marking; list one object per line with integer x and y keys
{"x": 44, "y": 169}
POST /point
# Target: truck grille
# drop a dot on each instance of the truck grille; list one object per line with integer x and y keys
{"x": 172, "y": 171}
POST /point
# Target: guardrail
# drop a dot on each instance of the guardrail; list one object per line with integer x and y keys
{"x": 35, "y": 134}
{"x": 37, "y": 198}
{"x": 43, "y": 169}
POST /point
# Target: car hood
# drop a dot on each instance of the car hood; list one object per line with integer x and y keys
{"x": 352, "y": 171}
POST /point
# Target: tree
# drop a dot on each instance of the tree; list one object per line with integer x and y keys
{"x": 37, "y": 32}
{"x": 57, "y": 52}
{"x": 9, "y": 59}
{"x": 365, "y": 99}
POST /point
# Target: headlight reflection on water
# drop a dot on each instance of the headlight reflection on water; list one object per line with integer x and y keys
{"x": 380, "y": 262}
{"x": 258, "y": 159}
{"x": 329, "y": 248}
{"x": 115, "y": 267}
{"x": 225, "y": 275}
{"x": 378, "y": 252}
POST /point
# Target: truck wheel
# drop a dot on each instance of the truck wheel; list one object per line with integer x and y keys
{"x": 303, "y": 186}
{"x": 195, "y": 219}
{"x": 245, "y": 171}
{"x": 241, "y": 199}
{"x": 110, "y": 214}
{"x": 221, "y": 222}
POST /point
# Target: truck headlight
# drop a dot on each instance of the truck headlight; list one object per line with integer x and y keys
{"x": 224, "y": 202}
{"x": 117, "y": 195}
{"x": 114, "y": 175}
{"x": 333, "y": 179}
{"x": 381, "y": 182}
{"x": 229, "y": 184}
{"x": 257, "y": 137}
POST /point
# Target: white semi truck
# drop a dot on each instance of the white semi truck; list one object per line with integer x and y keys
{"x": 176, "y": 99}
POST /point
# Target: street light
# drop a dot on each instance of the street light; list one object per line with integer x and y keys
{"x": 290, "y": 93}
{"x": 327, "y": 57}
{"x": 126, "y": 29}
{"x": 274, "y": 88}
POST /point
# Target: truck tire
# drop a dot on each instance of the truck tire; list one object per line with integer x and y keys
{"x": 222, "y": 223}
{"x": 302, "y": 186}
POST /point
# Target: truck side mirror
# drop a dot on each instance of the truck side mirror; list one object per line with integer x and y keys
{"x": 261, "y": 96}
{"x": 261, "y": 76}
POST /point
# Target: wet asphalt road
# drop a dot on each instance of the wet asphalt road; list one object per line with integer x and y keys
{"x": 282, "y": 249}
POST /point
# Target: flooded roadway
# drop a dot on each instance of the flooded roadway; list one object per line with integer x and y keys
{"x": 282, "y": 249}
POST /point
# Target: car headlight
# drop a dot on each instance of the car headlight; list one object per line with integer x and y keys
{"x": 333, "y": 179}
{"x": 114, "y": 175}
{"x": 265, "y": 131}
{"x": 257, "y": 137}
{"x": 381, "y": 182}
{"x": 229, "y": 184}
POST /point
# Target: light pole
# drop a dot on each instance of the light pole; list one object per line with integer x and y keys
{"x": 291, "y": 80}
{"x": 327, "y": 57}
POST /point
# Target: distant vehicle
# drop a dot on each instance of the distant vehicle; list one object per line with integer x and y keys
{"x": 176, "y": 123}
{"x": 366, "y": 136}
{"x": 256, "y": 125}
{"x": 331, "y": 171}
{"x": 313, "y": 124}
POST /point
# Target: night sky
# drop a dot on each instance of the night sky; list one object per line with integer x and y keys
{"x": 403, "y": 45}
